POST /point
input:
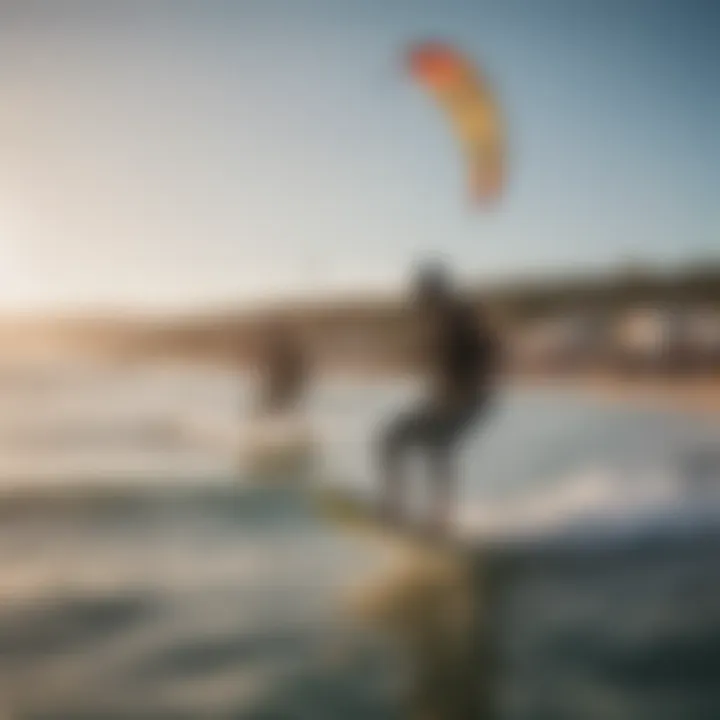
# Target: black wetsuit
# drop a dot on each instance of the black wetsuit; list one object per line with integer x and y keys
{"x": 462, "y": 356}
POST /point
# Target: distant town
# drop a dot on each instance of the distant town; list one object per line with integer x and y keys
{"x": 630, "y": 320}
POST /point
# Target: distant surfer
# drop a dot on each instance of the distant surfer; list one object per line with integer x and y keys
{"x": 279, "y": 445}
{"x": 459, "y": 355}
{"x": 283, "y": 370}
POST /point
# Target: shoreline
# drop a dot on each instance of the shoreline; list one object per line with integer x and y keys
{"x": 698, "y": 396}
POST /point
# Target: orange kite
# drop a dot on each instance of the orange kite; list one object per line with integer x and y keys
{"x": 463, "y": 93}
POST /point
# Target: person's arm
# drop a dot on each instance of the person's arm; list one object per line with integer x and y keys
{"x": 301, "y": 370}
{"x": 491, "y": 351}
{"x": 420, "y": 348}
{"x": 260, "y": 385}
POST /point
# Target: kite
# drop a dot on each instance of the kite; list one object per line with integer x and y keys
{"x": 463, "y": 93}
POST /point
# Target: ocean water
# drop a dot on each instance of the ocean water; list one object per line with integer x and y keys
{"x": 140, "y": 580}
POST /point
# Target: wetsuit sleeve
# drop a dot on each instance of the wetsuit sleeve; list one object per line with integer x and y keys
{"x": 418, "y": 349}
{"x": 489, "y": 348}
{"x": 468, "y": 350}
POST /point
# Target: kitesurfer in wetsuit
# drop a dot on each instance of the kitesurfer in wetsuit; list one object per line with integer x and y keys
{"x": 459, "y": 354}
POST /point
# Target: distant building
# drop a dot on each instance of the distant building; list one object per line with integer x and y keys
{"x": 703, "y": 338}
{"x": 669, "y": 339}
{"x": 575, "y": 341}
{"x": 641, "y": 339}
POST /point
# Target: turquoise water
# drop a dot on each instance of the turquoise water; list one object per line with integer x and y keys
{"x": 140, "y": 580}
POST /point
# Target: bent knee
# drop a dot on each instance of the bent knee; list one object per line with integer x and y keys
{"x": 393, "y": 437}
{"x": 388, "y": 441}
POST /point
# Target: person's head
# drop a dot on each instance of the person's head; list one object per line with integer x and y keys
{"x": 432, "y": 286}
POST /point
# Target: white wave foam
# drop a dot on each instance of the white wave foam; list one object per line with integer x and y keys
{"x": 594, "y": 498}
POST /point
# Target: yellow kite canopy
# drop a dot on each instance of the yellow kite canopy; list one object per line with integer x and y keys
{"x": 465, "y": 96}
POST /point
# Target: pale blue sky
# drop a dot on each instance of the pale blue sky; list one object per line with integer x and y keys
{"x": 173, "y": 153}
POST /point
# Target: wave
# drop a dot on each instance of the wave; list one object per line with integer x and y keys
{"x": 599, "y": 506}
{"x": 599, "y": 503}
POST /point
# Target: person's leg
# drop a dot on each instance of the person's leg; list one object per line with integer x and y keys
{"x": 445, "y": 435}
{"x": 443, "y": 483}
{"x": 403, "y": 432}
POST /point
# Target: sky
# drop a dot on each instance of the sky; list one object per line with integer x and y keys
{"x": 180, "y": 153}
